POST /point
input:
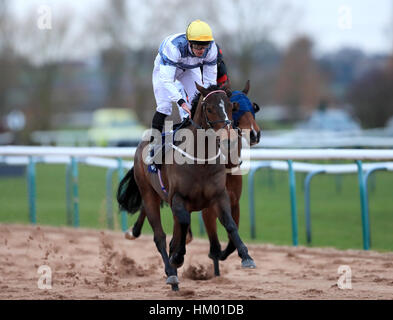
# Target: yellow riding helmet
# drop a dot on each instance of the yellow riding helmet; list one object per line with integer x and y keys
{"x": 199, "y": 31}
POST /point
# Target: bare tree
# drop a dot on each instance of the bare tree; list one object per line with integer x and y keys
{"x": 300, "y": 84}
{"x": 5, "y": 25}
{"x": 243, "y": 25}
{"x": 129, "y": 34}
{"x": 139, "y": 27}
{"x": 4, "y": 54}
{"x": 9, "y": 62}
{"x": 372, "y": 96}
{"x": 111, "y": 29}
{"x": 47, "y": 49}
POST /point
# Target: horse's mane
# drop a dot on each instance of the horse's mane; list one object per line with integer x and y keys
{"x": 195, "y": 100}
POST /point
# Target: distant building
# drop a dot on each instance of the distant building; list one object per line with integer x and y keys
{"x": 330, "y": 120}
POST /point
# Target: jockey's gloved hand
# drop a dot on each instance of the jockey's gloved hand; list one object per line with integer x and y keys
{"x": 184, "y": 106}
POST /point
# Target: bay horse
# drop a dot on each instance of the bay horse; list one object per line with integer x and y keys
{"x": 189, "y": 187}
{"x": 244, "y": 119}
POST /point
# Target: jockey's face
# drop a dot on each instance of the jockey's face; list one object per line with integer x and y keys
{"x": 198, "y": 50}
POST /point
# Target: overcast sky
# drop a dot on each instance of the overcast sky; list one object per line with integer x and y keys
{"x": 332, "y": 24}
{"x": 371, "y": 29}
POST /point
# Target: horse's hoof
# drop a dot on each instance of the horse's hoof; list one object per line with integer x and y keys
{"x": 249, "y": 264}
{"x": 173, "y": 281}
{"x": 129, "y": 235}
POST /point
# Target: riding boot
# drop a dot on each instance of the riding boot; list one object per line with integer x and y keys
{"x": 155, "y": 144}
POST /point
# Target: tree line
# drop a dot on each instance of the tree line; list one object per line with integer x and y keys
{"x": 42, "y": 74}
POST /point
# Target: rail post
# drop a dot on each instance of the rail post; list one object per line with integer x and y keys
{"x": 109, "y": 198}
{"x": 363, "y": 205}
{"x": 367, "y": 175}
{"x": 75, "y": 190}
{"x": 292, "y": 190}
{"x": 307, "y": 182}
{"x": 68, "y": 194}
{"x": 123, "y": 213}
{"x": 201, "y": 224}
{"x": 31, "y": 190}
{"x": 251, "y": 193}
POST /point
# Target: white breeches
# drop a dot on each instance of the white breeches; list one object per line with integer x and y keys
{"x": 185, "y": 84}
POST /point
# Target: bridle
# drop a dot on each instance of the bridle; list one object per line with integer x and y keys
{"x": 210, "y": 123}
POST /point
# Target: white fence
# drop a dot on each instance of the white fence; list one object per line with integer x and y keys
{"x": 252, "y": 154}
{"x": 96, "y": 156}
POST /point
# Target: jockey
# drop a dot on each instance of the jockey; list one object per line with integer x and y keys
{"x": 222, "y": 80}
{"x": 188, "y": 58}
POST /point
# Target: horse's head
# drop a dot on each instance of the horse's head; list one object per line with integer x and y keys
{"x": 244, "y": 117}
{"x": 216, "y": 111}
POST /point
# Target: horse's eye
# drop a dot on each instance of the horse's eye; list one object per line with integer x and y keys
{"x": 209, "y": 110}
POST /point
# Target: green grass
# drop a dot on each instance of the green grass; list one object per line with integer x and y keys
{"x": 335, "y": 207}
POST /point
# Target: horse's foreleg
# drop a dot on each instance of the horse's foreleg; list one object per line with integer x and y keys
{"x": 182, "y": 222}
{"x": 209, "y": 216}
{"x": 153, "y": 215}
{"x": 229, "y": 224}
{"x": 135, "y": 231}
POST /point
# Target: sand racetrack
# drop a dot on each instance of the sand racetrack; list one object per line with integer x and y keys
{"x": 89, "y": 264}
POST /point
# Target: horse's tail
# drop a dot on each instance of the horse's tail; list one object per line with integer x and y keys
{"x": 128, "y": 194}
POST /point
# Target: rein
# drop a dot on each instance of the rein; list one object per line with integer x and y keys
{"x": 210, "y": 93}
{"x": 209, "y": 123}
{"x": 187, "y": 155}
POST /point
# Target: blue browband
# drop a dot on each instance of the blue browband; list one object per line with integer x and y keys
{"x": 244, "y": 105}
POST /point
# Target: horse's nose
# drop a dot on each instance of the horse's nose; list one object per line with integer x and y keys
{"x": 255, "y": 136}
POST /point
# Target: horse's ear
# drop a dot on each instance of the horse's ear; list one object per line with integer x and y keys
{"x": 247, "y": 87}
{"x": 235, "y": 106}
{"x": 202, "y": 90}
{"x": 256, "y": 107}
{"x": 227, "y": 91}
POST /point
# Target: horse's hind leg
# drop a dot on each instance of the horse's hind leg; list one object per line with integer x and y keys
{"x": 209, "y": 218}
{"x": 231, "y": 246}
{"x": 135, "y": 231}
{"x": 234, "y": 185}
{"x": 231, "y": 228}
